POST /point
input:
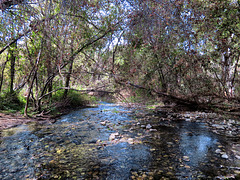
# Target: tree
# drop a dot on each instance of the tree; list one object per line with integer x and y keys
{"x": 188, "y": 49}
{"x": 60, "y": 31}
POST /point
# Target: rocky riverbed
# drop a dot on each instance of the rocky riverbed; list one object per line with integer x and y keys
{"x": 113, "y": 141}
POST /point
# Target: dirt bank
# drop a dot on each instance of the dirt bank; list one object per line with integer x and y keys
{"x": 13, "y": 119}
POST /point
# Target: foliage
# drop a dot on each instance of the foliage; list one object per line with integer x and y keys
{"x": 74, "y": 99}
{"x": 186, "y": 49}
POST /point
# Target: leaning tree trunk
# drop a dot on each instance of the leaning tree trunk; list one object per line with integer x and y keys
{"x": 31, "y": 85}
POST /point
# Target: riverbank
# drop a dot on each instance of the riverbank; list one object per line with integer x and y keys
{"x": 10, "y": 120}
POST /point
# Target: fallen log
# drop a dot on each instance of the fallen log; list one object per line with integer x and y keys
{"x": 179, "y": 101}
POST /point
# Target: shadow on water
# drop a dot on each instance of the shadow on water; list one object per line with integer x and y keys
{"x": 105, "y": 142}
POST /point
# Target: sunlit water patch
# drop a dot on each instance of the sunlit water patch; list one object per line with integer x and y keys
{"x": 105, "y": 142}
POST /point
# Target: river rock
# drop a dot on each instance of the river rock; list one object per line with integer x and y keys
{"x": 217, "y": 126}
{"x": 130, "y": 141}
{"x": 93, "y": 141}
{"x": 237, "y": 172}
{"x": 226, "y": 177}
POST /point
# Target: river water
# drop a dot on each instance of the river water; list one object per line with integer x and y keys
{"x": 109, "y": 142}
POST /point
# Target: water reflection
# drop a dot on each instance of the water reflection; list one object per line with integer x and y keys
{"x": 196, "y": 143}
{"x": 123, "y": 159}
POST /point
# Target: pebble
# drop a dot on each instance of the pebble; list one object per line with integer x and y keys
{"x": 148, "y": 126}
{"x": 186, "y": 158}
{"x": 103, "y": 123}
{"x": 225, "y": 156}
{"x": 113, "y": 136}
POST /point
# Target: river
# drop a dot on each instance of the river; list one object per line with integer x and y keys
{"x": 109, "y": 142}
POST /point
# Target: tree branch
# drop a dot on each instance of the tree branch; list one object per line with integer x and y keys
{"x": 83, "y": 91}
{"x": 14, "y": 41}
{"x": 33, "y": 26}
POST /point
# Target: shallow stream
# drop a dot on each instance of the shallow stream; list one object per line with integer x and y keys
{"x": 108, "y": 142}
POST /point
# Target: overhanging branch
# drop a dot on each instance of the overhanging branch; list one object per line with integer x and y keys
{"x": 14, "y": 41}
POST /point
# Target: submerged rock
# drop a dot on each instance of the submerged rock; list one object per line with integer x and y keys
{"x": 148, "y": 126}
{"x": 113, "y": 136}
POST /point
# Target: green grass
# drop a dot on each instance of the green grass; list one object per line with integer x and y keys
{"x": 152, "y": 105}
{"x": 12, "y": 103}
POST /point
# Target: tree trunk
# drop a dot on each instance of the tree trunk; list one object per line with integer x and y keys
{"x": 2, "y": 73}
{"x": 12, "y": 52}
{"x": 68, "y": 80}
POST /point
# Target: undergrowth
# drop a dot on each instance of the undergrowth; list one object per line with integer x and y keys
{"x": 73, "y": 99}
{"x": 11, "y": 102}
